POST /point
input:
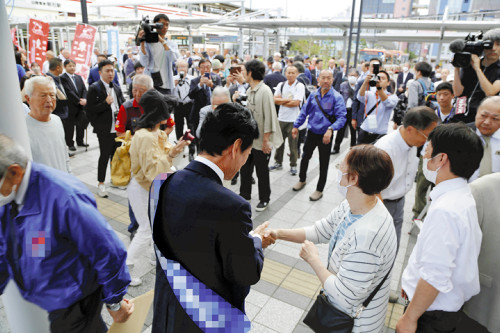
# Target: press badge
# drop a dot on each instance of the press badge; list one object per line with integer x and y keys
{"x": 372, "y": 121}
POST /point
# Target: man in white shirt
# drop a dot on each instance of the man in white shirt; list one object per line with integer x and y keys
{"x": 289, "y": 95}
{"x": 488, "y": 129}
{"x": 157, "y": 58}
{"x": 378, "y": 106}
{"x": 401, "y": 145}
{"x": 45, "y": 67}
{"x": 442, "y": 271}
{"x": 182, "y": 83}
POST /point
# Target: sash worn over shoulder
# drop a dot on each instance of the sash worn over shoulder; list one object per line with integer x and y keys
{"x": 207, "y": 309}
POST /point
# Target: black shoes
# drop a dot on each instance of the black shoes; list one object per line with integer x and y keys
{"x": 72, "y": 148}
{"x": 84, "y": 145}
{"x": 262, "y": 206}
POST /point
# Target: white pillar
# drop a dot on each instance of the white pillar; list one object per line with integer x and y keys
{"x": 21, "y": 315}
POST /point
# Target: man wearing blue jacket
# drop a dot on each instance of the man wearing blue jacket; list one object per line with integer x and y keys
{"x": 57, "y": 247}
{"x": 327, "y": 113}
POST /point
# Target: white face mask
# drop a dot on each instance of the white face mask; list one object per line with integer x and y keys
{"x": 429, "y": 174}
{"x": 7, "y": 199}
{"x": 405, "y": 69}
{"x": 438, "y": 75}
{"x": 342, "y": 189}
{"x": 352, "y": 80}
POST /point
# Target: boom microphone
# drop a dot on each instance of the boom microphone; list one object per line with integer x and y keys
{"x": 457, "y": 45}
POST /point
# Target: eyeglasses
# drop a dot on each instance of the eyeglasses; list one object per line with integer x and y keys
{"x": 426, "y": 137}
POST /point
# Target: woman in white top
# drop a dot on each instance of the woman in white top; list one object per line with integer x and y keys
{"x": 361, "y": 237}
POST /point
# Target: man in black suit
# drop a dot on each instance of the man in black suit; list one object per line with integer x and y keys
{"x": 200, "y": 92}
{"x": 56, "y": 69}
{"x": 206, "y": 227}
{"x": 77, "y": 98}
{"x": 103, "y": 102}
{"x": 272, "y": 80}
{"x": 403, "y": 77}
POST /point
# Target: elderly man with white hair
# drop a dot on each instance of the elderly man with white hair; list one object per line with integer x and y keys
{"x": 45, "y": 129}
{"x": 220, "y": 95}
{"x": 272, "y": 80}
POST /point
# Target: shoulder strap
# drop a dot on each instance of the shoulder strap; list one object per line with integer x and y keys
{"x": 375, "y": 291}
{"x": 371, "y": 110}
{"x": 330, "y": 118}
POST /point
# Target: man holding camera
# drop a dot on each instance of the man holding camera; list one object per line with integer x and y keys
{"x": 157, "y": 58}
{"x": 481, "y": 79}
{"x": 182, "y": 83}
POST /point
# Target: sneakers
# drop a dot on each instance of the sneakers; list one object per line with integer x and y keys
{"x": 316, "y": 196}
{"x": 276, "y": 166}
{"x": 135, "y": 282}
{"x": 101, "y": 191}
{"x": 299, "y": 186}
{"x": 293, "y": 171}
{"x": 262, "y": 206}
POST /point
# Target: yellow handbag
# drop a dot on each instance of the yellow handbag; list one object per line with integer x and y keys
{"x": 120, "y": 164}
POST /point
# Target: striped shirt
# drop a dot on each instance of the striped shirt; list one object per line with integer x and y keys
{"x": 359, "y": 262}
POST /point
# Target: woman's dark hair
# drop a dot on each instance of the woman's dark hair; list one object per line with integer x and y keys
{"x": 372, "y": 165}
{"x": 157, "y": 107}
{"x": 420, "y": 117}
{"x": 226, "y": 124}
{"x": 257, "y": 69}
{"x": 19, "y": 58}
{"x": 461, "y": 144}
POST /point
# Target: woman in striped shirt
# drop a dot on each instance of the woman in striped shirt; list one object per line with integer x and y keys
{"x": 361, "y": 237}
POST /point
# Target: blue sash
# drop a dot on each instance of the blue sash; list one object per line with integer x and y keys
{"x": 207, "y": 309}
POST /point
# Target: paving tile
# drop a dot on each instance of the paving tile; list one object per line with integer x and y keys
{"x": 265, "y": 287}
{"x": 301, "y": 283}
{"x": 258, "y": 328}
{"x": 251, "y": 310}
{"x": 279, "y": 316}
{"x": 291, "y": 298}
{"x": 257, "y": 298}
{"x": 282, "y": 258}
{"x": 274, "y": 272}
{"x": 302, "y": 328}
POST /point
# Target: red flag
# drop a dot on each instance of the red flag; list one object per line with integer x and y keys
{"x": 82, "y": 48}
{"x": 14, "y": 37}
{"x": 38, "y": 38}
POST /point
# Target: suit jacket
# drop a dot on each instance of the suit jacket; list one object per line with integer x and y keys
{"x": 484, "y": 306}
{"x": 98, "y": 110}
{"x": 74, "y": 93}
{"x": 200, "y": 98}
{"x": 94, "y": 76}
{"x": 61, "y": 109}
{"x": 400, "y": 81}
{"x": 272, "y": 80}
{"x": 204, "y": 226}
{"x": 337, "y": 80}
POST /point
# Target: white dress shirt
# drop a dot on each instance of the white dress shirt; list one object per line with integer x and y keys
{"x": 382, "y": 112}
{"x": 405, "y": 162}
{"x": 447, "y": 248}
{"x": 495, "y": 153}
{"x": 114, "y": 105}
{"x": 212, "y": 166}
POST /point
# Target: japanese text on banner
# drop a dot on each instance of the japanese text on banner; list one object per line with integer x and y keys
{"x": 82, "y": 48}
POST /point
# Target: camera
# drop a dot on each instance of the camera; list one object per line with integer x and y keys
{"x": 181, "y": 79}
{"x": 150, "y": 35}
{"x": 242, "y": 99}
{"x": 374, "y": 80}
{"x": 473, "y": 44}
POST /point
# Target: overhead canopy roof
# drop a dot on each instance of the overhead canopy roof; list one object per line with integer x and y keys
{"x": 112, "y": 3}
{"x": 421, "y": 37}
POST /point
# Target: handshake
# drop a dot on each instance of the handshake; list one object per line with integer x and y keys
{"x": 268, "y": 236}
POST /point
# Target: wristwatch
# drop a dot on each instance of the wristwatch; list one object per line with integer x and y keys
{"x": 114, "y": 306}
{"x": 379, "y": 88}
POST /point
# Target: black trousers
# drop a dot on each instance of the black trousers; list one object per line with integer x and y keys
{"x": 439, "y": 322}
{"x": 78, "y": 119}
{"x": 107, "y": 148}
{"x": 82, "y": 317}
{"x": 181, "y": 114}
{"x": 365, "y": 137}
{"x": 341, "y": 132}
{"x": 312, "y": 141}
{"x": 260, "y": 160}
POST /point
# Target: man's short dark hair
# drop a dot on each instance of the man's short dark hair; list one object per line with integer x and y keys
{"x": 257, "y": 69}
{"x": 319, "y": 60}
{"x": 420, "y": 117}
{"x": 54, "y": 63}
{"x": 298, "y": 58}
{"x": 445, "y": 86}
{"x": 372, "y": 165}
{"x": 68, "y": 61}
{"x": 226, "y": 124}
{"x": 220, "y": 58}
{"x": 202, "y": 61}
{"x": 461, "y": 144}
{"x": 138, "y": 65}
{"x": 424, "y": 67}
{"x": 386, "y": 74}
{"x": 158, "y": 17}
{"x": 105, "y": 63}
{"x": 300, "y": 66}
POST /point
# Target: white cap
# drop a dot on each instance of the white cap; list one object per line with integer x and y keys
{"x": 277, "y": 54}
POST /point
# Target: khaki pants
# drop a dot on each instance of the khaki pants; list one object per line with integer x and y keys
{"x": 421, "y": 190}
{"x": 286, "y": 132}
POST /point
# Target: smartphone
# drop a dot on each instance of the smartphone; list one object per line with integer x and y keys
{"x": 188, "y": 136}
{"x": 235, "y": 70}
{"x": 207, "y": 75}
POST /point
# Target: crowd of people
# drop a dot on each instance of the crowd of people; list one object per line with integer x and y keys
{"x": 238, "y": 112}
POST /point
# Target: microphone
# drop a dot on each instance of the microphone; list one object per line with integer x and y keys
{"x": 457, "y": 45}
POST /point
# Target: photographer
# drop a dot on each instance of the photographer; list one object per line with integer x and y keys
{"x": 157, "y": 58}
{"x": 481, "y": 79}
{"x": 181, "y": 91}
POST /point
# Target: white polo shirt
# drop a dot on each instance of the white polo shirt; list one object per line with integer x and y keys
{"x": 296, "y": 91}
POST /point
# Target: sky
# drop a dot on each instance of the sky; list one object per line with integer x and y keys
{"x": 299, "y": 9}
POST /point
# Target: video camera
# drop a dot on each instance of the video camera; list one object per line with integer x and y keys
{"x": 473, "y": 44}
{"x": 242, "y": 99}
{"x": 181, "y": 79}
{"x": 374, "y": 80}
{"x": 150, "y": 36}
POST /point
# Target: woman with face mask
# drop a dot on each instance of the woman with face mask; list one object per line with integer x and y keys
{"x": 361, "y": 238}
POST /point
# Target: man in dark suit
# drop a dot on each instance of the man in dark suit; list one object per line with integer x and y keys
{"x": 77, "y": 98}
{"x": 94, "y": 74}
{"x": 272, "y": 80}
{"x": 403, "y": 77}
{"x": 200, "y": 92}
{"x": 205, "y": 226}
{"x": 56, "y": 69}
{"x": 338, "y": 79}
{"x": 104, "y": 99}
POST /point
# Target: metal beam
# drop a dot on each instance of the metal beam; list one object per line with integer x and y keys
{"x": 113, "y": 3}
{"x": 421, "y": 37}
